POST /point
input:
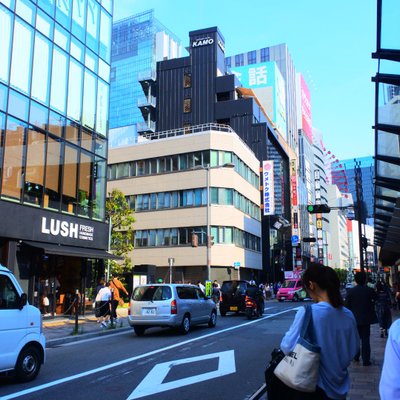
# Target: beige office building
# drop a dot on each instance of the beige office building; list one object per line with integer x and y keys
{"x": 165, "y": 179}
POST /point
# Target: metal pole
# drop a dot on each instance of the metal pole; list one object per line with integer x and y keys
{"x": 357, "y": 171}
{"x": 208, "y": 221}
{"x": 109, "y": 247}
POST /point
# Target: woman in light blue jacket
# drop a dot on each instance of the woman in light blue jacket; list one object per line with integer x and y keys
{"x": 335, "y": 331}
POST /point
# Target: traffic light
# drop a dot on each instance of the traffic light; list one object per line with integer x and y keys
{"x": 210, "y": 241}
{"x": 195, "y": 240}
{"x": 309, "y": 240}
{"x": 318, "y": 209}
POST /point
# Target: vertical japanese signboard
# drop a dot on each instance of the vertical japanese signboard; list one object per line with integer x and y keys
{"x": 268, "y": 187}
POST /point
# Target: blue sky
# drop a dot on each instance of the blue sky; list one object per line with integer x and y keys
{"x": 330, "y": 42}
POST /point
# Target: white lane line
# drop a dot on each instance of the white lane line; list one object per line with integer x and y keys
{"x": 135, "y": 358}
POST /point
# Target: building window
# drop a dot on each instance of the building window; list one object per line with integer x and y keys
{"x": 264, "y": 54}
{"x": 239, "y": 60}
{"x": 187, "y": 80}
{"x": 228, "y": 62}
{"x": 251, "y": 57}
{"x": 187, "y": 105}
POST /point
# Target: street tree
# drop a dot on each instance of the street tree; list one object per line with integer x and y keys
{"x": 342, "y": 274}
{"x": 122, "y": 220}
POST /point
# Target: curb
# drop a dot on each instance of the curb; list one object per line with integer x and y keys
{"x": 78, "y": 337}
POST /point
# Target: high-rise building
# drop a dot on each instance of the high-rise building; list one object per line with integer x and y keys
{"x": 139, "y": 42}
{"x": 205, "y": 93}
{"x": 54, "y": 91}
{"x": 281, "y": 56}
{"x": 366, "y": 165}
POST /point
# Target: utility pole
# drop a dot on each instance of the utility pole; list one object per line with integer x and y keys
{"x": 359, "y": 209}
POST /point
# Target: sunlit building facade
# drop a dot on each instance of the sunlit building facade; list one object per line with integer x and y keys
{"x": 54, "y": 98}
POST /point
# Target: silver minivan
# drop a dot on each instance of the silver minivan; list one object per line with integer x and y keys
{"x": 170, "y": 305}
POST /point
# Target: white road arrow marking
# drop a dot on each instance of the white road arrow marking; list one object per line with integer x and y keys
{"x": 153, "y": 382}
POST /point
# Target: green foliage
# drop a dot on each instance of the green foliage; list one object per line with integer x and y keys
{"x": 342, "y": 274}
{"x": 122, "y": 220}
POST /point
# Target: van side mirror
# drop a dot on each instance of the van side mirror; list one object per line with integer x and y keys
{"x": 22, "y": 301}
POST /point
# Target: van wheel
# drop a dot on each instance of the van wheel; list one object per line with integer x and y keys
{"x": 213, "y": 320}
{"x": 139, "y": 330}
{"x": 28, "y": 364}
{"x": 296, "y": 297}
{"x": 185, "y": 325}
{"x": 222, "y": 312}
{"x": 280, "y": 300}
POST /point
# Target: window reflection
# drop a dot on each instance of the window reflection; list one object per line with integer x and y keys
{"x": 75, "y": 90}
{"x": 59, "y": 80}
{"x": 68, "y": 203}
{"x": 92, "y": 28}
{"x": 78, "y": 18}
{"x": 26, "y": 10}
{"x": 86, "y": 140}
{"x": 72, "y": 132}
{"x": 44, "y": 24}
{"x": 34, "y": 172}
{"x": 38, "y": 115}
{"x": 21, "y": 56}
{"x": 99, "y": 176}
{"x": 41, "y": 69}
{"x": 47, "y": 5}
{"x": 53, "y": 177}
{"x": 63, "y": 12}
{"x": 85, "y": 179}
{"x": 18, "y": 105}
{"x": 105, "y": 36}
{"x": 12, "y": 165}
{"x": 89, "y": 100}
{"x": 102, "y": 108}
{"x": 56, "y": 123}
{"x": 5, "y": 43}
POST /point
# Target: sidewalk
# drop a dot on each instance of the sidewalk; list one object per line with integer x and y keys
{"x": 365, "y": 380}
{"x": 61, "y": 329}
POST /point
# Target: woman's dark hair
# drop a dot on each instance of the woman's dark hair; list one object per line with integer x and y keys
{"x": 380, "y": 287}
{"x": 326, "y": 278}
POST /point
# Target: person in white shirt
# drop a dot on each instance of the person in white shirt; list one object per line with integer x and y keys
{"x": 389, "y": 385}
{"x": 105, "y": 299}
{"x": 201, "y": 286}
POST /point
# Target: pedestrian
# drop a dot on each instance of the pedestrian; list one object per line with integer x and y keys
{"x": 389, "y": 385}
{"x": 217, "y": 284}
{"x": 334, "y": 327}
{"x": 104, "y": 297}
{"x": 361, "y": 301}
{"x": 216, "y": 292}
{"x": 397, "y": 296}
{"x": 116, "y": 286}
{"x": 383, "y": 308}
{"x": 201, "y": 286}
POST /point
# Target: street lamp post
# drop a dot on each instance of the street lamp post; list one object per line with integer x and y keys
{"x": 207, "y": 168}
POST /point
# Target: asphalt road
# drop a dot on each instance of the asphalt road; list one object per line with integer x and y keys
{"x": 226, "y": 362}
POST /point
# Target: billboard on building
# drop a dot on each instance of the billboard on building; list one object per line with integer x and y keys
{"x": 268, "y": 187}
{"x": 268, "y": 85}
{"x": 306, "y": 120}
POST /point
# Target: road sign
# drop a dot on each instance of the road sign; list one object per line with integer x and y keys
{"x": 236, "y": 264}
{"x": 295, "y": 239}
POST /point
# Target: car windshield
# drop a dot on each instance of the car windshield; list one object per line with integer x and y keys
{"x": 288, "y": 284}
{"x": 152, "y": 293}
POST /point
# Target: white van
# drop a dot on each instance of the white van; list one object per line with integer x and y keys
{"x": 22, "y": 342}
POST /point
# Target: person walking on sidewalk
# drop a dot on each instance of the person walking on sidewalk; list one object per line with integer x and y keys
{"x": 361, "y": 301}
{"x": 104, "y": 297}
{"x": 383, "y": 308}
{"x": 334, "y": 330}
{"x": 116, "y": 285}
{"x": 389, "y": 385}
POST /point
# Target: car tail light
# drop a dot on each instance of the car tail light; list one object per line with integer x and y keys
{"x": 174, "y": 308}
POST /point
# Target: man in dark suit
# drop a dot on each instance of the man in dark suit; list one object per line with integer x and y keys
{"x": 361, "y": 301}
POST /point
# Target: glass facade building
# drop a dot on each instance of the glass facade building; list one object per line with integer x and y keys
{"x": 54, "y": 109}
{"x": 54, "y": 96}
{"x": 138, "y": 43}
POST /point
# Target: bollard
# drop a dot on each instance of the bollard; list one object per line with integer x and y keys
{"x": 76, "y": 309}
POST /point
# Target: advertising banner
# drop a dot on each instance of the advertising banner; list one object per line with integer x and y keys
{"x": 306, "y": 120}
{"x": 268, "y": 187}
{"x": 268, "y": 85}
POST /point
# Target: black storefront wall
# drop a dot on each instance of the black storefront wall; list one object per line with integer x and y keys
{"x": 40, "y": 244}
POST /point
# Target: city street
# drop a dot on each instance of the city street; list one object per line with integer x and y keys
{"x": 227, "y": 362}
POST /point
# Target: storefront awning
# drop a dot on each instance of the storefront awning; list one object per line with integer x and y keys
{"x": 72, "y": 251}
